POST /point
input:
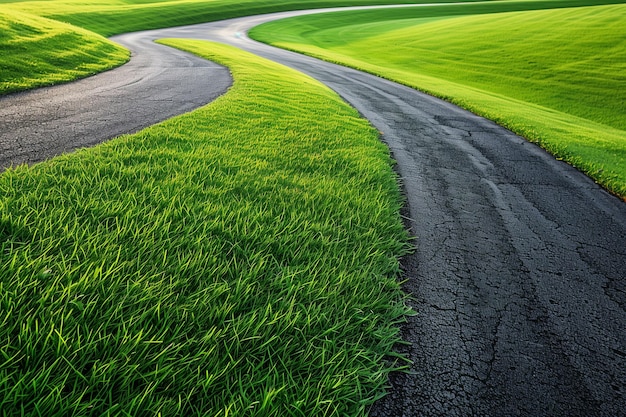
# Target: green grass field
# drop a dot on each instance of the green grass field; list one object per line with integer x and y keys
{"x": 553, "y": 76}
{"x": 237, "y": 260}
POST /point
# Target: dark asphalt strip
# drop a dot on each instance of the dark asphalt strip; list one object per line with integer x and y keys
{"x": 518, "y": 276}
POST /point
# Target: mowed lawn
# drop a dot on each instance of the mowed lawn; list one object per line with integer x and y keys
{"x": 555, "y": 76}
{"x": 241, "y": 259}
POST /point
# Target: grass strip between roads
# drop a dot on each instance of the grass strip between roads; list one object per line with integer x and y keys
{"x": 237, "y": 260}
{"x": 554, "y": 76}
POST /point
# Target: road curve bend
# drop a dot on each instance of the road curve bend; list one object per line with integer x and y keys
{"x": 519, "y": 272}
{"x": 156, "y": 84}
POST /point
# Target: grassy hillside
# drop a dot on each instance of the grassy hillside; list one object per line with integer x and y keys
{"x": 553, "y": 76}
{"x": 237, "y": 260}
{"x": 35, "y": 51}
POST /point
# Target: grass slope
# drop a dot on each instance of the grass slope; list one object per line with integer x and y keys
{"x": 237, "y": 260}
{"x": 553, "y": 76}
{"x": 35, "y": 51}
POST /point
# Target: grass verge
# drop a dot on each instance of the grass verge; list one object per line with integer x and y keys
{"x": 237, "y": 260}
{"x": 553, "y": 76}
{"x": 36, "y": 52}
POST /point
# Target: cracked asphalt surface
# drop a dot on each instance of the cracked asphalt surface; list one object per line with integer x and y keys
{"x": 519, "y": 272}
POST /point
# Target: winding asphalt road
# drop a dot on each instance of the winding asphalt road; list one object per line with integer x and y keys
{"x": 519, "y": 275}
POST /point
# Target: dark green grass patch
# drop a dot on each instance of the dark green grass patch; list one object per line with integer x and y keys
{"x": 553, "y": 76}
{"x": 237, "y": 260}
{"x": 35, "y": 51}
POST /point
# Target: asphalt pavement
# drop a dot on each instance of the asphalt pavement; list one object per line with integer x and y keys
{"x": 519, "y": 273}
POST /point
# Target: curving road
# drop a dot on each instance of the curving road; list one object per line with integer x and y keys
{"x": 519, "y": 275}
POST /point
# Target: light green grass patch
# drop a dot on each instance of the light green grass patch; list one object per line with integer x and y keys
{"x": 553, "y": 76}
{"x": 35, "y": 51}
{"x": 237, "y": 260}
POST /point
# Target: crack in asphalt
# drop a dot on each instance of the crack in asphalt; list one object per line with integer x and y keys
{"x": 518, "y": 272}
